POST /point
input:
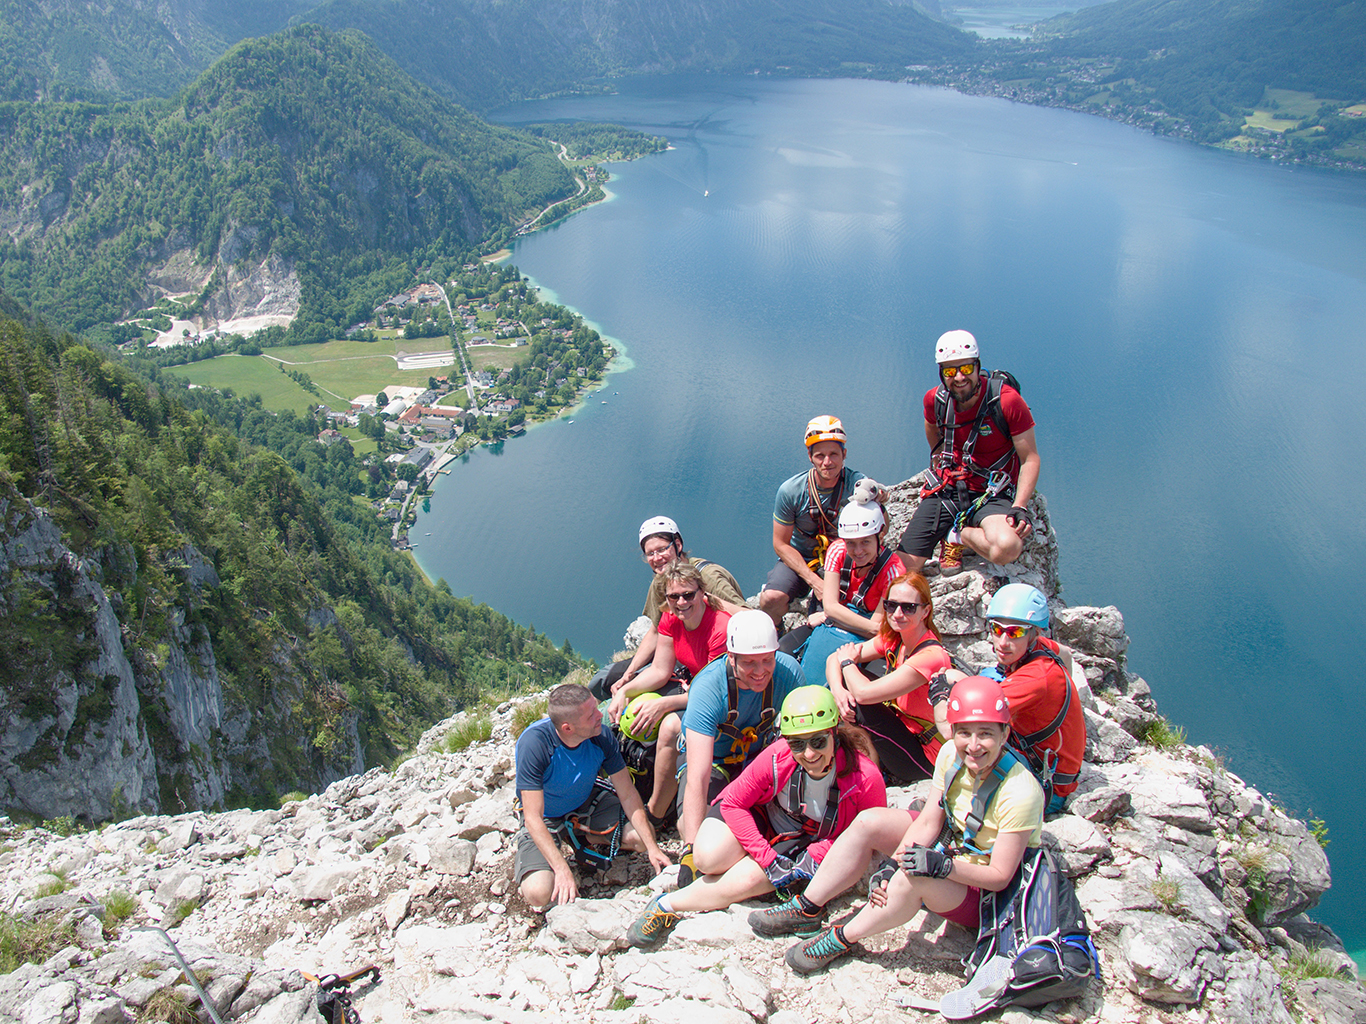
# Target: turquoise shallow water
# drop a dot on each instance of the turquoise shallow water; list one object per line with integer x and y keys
{"x": 1187, "y": 326}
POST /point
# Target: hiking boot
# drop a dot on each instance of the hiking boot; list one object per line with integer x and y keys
{"x": 950, "y": 559}
{"x": 786, "y": 919}
{"x": 813, "y": 954}
{"x": 652, "y": 927}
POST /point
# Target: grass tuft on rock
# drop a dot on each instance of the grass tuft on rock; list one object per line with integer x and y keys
{"x": 467, "y": 733}
{"x": 524, "y": 714}
{"x": 31, "y": 942}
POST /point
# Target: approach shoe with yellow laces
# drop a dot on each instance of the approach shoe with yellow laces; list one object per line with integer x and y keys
{"x": 810, "y": 956}
{"x": 786, "y": 918}
{"x": 950, "y": 559}
{"x": 652, "y": 927}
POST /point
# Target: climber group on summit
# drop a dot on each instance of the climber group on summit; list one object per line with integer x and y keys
{"x": 772, "y": 755}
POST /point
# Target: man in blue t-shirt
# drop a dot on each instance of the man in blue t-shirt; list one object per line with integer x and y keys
{"x": 806, "y": 515}
{"x": 717, "y": 750}
{"x": 558, "y": 759}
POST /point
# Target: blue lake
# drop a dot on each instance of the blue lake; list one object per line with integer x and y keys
{"x": 1187, "y": 326}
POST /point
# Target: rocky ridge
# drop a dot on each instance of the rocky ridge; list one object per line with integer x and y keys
{"x": 1196, "y": 885}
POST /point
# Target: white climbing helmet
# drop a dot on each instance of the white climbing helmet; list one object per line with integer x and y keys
{"x": 861, "y": 520}
{"x": 751, "y": 631}
{"x": 659, "y": 524}
{"x": 955, "y": 347}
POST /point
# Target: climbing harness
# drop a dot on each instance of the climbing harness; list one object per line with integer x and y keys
{"x": 944, "y": 470}
{"x": 742, "y": 740}
{"x": 827, "y": 529}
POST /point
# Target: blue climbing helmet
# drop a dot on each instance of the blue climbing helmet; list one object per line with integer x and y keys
{"x": 1019, "y": 602}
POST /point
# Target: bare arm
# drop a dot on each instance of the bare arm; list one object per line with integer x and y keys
{"x": 933, "y": 435}
{"x": 655, "y": 675}
{"x": 1006, "y": 854}
{"x": 835, "y": 675}
{"x": 790, "y": 556}
{"x": 644, "y": 655}
{"x": 701, "y": 747}
{"x": 837, "y": 613}
{"x": 899, "y": 681}
{"x": 566, "y": 890}
{"x": 1028, "y": 451}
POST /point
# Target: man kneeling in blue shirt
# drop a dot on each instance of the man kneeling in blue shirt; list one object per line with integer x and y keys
{"x": 558, "y": 759}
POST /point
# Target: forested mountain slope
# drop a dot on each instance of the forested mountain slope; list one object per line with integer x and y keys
{"x": 128, "y": 49}
{"x": 1209, "y": 62}
{"x": 308, "y": 147}
{"x": 191, "y": 620}
{"x": 485, "y": 52}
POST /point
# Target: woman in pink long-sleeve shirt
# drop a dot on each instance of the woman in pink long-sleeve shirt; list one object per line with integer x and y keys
{"x": 770, "y": 828}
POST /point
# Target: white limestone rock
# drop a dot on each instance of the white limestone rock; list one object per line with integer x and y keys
{"x": 591, "y": 926}
{"x": 1165, "y": 960}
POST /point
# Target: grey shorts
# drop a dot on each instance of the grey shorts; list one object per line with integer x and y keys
{"x": 784, "y": 580}
{"x": 604, "y": 816}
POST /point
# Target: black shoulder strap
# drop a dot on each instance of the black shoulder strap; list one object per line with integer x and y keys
{"x": 860, "y": 598}
{"x": 1043, "y": 651}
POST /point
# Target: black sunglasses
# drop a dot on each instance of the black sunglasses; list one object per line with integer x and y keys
{"x": 905, "y": 607}
{"x": 797, "y": 744}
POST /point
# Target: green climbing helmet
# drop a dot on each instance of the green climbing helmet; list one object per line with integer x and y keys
{"x": 628, "y": 719}
{"x": 808, "y": 709}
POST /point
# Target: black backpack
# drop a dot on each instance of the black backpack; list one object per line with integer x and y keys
{"x": 1033, "y": 944}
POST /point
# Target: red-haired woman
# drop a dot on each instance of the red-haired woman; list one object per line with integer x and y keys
{"x": 895, "y": 708}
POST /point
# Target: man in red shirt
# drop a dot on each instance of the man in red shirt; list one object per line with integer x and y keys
{"x": 984, "y": 464}
{"x": 1046, "y": 721}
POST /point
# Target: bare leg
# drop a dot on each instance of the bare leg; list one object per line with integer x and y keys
{"x": 775, "y": 603}
{"x": 666, "y": 766}
{"x": 995, "y": 540}
{"x": 913, "y": 563}
{"x": 877, "y": 829}
{"x": 537, "y": 889}
{"x": 905, "y": 896}
{"x": 729, "y": 874}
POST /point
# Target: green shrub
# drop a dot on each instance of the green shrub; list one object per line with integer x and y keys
{"x": 293, "y": 797}
{"x": 1318, "y": 828}
{"x": 467, "y": 733}
{"x": 30, "y": 942}
{"x": 524, "y": 714}
{"x": 1167, "y": 892}
{"x": 66, "y": 825}
{"x": 170, "y": 1006}
{"x": 1309, "y": 963}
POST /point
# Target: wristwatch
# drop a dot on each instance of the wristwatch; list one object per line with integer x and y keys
{"x": 846, "y": 663}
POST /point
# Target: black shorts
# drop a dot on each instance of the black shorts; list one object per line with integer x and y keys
{"x": 934, "y": 518}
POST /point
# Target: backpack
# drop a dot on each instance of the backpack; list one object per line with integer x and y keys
{"x": 1033, "y": 944}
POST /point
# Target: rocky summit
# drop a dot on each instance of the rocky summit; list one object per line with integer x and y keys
{"x": 1196, "y": 886}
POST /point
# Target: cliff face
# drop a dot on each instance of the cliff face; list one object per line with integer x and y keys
{"x": 1196, "y": 887}
{"x": 95, "y": 728}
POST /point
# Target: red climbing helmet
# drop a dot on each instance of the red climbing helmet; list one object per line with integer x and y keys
{"x": 978, "y": 699}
